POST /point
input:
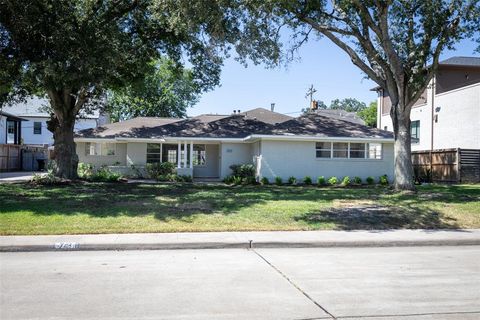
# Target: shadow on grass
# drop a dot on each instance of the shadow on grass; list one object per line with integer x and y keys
{"x": 182, "y": 201}
{"x": 378, "y": 217}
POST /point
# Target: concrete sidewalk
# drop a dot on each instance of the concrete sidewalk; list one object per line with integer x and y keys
{"x": 218, "y": 240}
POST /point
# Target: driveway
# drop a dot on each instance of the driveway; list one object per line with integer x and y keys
{"x": 329, "y": 283}
{"x": 17, "y": 176}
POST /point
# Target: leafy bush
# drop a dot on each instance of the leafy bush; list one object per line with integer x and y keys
{"x": 228, "y": 179}
{"x": 237, "y": 180}
{"x": 160, "y": 171}
{"x": 333, "y": 181}
{"x": 383, "y": 180}
{"x": 104, "y": 174}
{"x": 292, "y": 180}
{"x": 264, "y": 181}
{"x": 48, "y": 179}
{"x": 321, "y": 181}
{"x": 278, "y": 181}
{"x": 357, "y": 180}
{"x": 85, "y": 170}
{"x": 370, "y": 180}
{"x": 346, "y": 181}
{"x": 307, "y": 180}
{"x": 183, "y": 178}
{"x": 249, "y": 180}
{"x": 243, "y": 170}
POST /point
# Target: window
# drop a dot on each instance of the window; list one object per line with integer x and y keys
{"x": 100, "y": 149}
{"x": 415, "y": 131}
{"x": 357, "y": 150}
{"x": 352, "y": 150}
{"x": 153, "y": 152}
{"x": 199, "y": 155}
{"x": 323, "y": 149}
{"x": 375, "y": 151}
{"x": 37, "y": 128}
{"x": 340, "y": 149}
{"x": 169, "y": 153}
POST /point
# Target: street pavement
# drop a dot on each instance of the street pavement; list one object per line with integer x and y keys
{"x": 289, "y": 283}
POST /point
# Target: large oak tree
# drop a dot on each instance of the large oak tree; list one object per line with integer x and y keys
{"x": 396, "y": 43}
{"x": 72, "y": 50}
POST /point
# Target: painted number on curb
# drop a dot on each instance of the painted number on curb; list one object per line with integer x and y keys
{"x": 66, "y": 245}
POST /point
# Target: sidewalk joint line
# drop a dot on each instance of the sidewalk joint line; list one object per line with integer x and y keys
{"x": 294, "y": 284}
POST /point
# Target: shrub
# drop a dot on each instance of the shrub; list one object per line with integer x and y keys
{"x": 370, "y": 180}
{"x": 159, "y": 171}
{"x": 48, "y": 179}
{"x": 278, "y": 181}
{"x": 383, "y": 180}
{"x": 182, "y": 178}
{"x": 85, "y": 170}
{"x": 346, "y": 181}
{"x": 321, "y": 181}
{"x": 228, "y": 179}
{"x": 243, "y": 170}
{"x": 237, "y": 180}
{"x": 249, "y": 180}
{"x": 357, "y": 180}
{"x": 333, "y": 181}
{"x": 307, "y": 180}
{"x": 104, "y": 174}
{"x": 264, "y": 181}
{"x": 292, "y": 181}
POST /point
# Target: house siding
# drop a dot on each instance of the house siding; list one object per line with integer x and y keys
{"x": 118, "y": 159}
{"x": 211, "y": 168}
{"x": 284, "y": 159}
{"x": 3, "y": 129}
{"x": 458, "y": 119}
{"x": 234, "y": 153}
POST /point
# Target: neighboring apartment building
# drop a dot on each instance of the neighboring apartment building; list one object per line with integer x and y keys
{"x": 34, "y": 130}
{"x": 450, "y": 108}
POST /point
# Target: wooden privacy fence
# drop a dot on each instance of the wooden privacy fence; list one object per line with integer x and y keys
{"x": 447, "y": 165}
{"x": 10, "y": 157}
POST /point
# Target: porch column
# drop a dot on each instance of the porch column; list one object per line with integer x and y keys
{"x": 185, "y": 154}
{"x": 191, "y": 154}
{"x": 179, "y": 156}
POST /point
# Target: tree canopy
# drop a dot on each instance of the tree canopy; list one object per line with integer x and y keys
{"x": 167, "y": 90}
{"x": 369, "y": 114}
{"x": 348, "y": 104}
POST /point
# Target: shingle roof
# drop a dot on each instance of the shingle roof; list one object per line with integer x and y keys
{"x": 235, "y": 126}
{"x": 462, "y": 61}
{"x": 320, "y": 126}
{"x": 266, "y": 116}
{"x": 341, "y": 115}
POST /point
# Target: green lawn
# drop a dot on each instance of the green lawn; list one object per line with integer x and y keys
{"x": 119, "y": 208}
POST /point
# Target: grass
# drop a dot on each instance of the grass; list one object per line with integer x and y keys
{"x": 120, "y": 208}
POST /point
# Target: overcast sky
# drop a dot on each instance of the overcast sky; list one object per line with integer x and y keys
{"x": 322, "y": 64}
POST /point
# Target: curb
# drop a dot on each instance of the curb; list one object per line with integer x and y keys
{"x": 73, "y": 246}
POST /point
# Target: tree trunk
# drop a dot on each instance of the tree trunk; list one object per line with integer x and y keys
{"x": 62, "y": 122}
{"x": 65, "y": 149}
{"x": 403, "y": 153}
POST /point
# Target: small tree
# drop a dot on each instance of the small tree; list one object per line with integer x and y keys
{"x": 369, "y": 115}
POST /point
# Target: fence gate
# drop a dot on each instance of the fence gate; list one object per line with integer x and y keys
{"x": 10, "y": 157}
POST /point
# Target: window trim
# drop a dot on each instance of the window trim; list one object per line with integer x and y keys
{"x": 34, "y": 128}
{"x": 366, "y": 155}
{"x": 100, "y": 154}
{"x": 415, "y": 140}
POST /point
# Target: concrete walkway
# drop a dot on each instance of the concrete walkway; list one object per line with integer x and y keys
{"x": 218, "y": 240}
{"x": 17, "y": 176}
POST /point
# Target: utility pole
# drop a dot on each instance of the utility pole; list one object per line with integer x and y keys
{"x": 310, "y": 92}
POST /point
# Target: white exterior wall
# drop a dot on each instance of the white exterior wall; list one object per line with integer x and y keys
{"x": 285, "y": 158}
{"x": 136, "y": 154}
{"x": 46, "y": 137}
{"x": 458, "y": 123}
{"x": 119, "y": 159}
{"x": 234, "y": 153}
{"x": 3, "y": 129}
